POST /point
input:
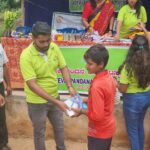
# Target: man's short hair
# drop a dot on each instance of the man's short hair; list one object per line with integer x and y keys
{"x": 40, "y": 28}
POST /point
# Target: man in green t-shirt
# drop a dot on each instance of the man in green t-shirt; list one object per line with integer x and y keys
{"x": 38, "y": 63}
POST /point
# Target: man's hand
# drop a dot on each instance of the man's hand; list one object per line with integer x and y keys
{"x": 72, "y": 91}
{"x": 61, "y": 105}
{"x": 2, "y": 101}
{"x": 9, "y": 90}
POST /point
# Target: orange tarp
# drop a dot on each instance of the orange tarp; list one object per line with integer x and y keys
{"x": 13, "y": 48}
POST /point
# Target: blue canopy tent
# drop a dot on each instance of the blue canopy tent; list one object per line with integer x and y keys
{"x": 146, "y": 4}
{"x": 42, "y": 10}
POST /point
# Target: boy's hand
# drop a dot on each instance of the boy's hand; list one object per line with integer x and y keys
{"x": 2, "y": 101}
{"x": 85, "y": 100}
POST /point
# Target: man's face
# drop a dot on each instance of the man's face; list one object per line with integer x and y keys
{"x": 42, "y": 42}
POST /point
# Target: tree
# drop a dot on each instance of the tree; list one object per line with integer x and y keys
{"x": 9, "y": 4}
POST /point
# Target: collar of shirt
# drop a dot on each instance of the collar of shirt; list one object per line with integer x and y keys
{"x": 34, "y": 51}
{"x": 101, "y": 74}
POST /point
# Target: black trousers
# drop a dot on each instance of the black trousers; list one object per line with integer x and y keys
{"x": 3, "y": 127}
{"x": 99, "y": 144}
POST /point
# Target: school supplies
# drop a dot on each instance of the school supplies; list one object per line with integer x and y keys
{"x": 74, "y": 102}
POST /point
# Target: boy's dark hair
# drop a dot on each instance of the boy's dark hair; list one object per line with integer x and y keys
{"x": 137, "y": 62}
{"x": 40, "y": 28}
{"x": 98, "y": 54}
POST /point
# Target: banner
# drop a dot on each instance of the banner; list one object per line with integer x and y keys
{"x": 76, "y": 5}
{"x": 74, "y": 57}
{"x": 66, "y": 22}
{"x": 80, "y": 77}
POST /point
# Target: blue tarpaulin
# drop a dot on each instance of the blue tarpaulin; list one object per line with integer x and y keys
{"x": 146, "y": 4}
{"x": 42, "y": 10}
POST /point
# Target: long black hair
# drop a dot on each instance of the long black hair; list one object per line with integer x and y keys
{"x": 137, "y": 62}
{"x": 137, "y": 7}
{"x": 93, "y": 3}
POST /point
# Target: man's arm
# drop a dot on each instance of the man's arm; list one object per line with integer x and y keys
{"x": 32, "y": 84}
{"x": 67, "y": 79}
{"x": 7, "y": 80}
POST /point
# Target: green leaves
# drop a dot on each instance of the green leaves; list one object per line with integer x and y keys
{"x": 9, "y": 4}
{"x": 10, "y": 18}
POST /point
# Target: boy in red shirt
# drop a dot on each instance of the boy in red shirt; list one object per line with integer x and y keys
{"x": 101, "y": 126}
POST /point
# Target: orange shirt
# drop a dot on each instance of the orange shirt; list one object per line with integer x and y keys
{"x": 101, "y": 105}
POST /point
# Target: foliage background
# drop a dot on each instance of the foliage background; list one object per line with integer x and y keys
{"x": 7, "y": 5}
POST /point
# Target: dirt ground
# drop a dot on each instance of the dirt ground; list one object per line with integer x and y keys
{"x": 27, "y": 144}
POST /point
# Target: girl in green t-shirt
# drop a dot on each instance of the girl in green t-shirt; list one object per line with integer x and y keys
{"x": 135, "y": 86}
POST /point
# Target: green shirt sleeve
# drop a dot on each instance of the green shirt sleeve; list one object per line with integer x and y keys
{"x": 121, "y": 14}
{"x": 143, "y": 15}
{"x": 26, "y": 67}
{"x": 124, "y": 78}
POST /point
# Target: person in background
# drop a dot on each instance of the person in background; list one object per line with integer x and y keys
{"x": 129, "y": 18}
{"x": 135, "y": 86}
{"x": 4, "y": 76}
{"x": 39, "y": 63}
{"x": 102, "y": 124}
{"x": 98, "y": 15}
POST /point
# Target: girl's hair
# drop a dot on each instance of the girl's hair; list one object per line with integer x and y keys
{"x": 93, "y": 3}
{"x": 137, "y": 62}
{"x": 98, "y": 54}
{"x": 137, "y": 7}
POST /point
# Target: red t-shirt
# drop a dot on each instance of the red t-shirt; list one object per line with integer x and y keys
{"x": 101, "y": 105}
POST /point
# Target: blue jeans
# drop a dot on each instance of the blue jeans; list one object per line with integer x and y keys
{"x": 135, "y": 107}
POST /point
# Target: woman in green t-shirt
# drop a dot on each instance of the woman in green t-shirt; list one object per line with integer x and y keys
{"x": 129, "y": 17}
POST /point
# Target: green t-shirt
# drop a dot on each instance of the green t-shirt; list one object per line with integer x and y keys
{"x": 129, "y": 19}
{"x": 132, "y": 82}
{"x": 42, "y": 67}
